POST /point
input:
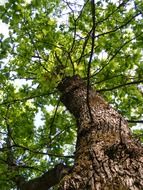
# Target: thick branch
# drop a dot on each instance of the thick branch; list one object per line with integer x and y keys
{"x": 47, "y": 180}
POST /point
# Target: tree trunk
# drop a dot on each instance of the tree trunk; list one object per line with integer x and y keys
{"x": 106, "y": 157}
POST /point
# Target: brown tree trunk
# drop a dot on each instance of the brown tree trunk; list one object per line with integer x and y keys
{"x": 106, "y": 157}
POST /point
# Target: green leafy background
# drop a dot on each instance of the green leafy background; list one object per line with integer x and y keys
{"x": 51, "y": 39}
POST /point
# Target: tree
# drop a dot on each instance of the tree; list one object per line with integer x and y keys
{"x": 106, "y": 156}
{"x": 61, "y": 63}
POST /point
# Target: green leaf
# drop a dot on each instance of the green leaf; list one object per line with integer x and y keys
{"x": 47, "y": 41}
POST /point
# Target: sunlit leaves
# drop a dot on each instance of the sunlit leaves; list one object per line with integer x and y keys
{"x": 47, "y": 41}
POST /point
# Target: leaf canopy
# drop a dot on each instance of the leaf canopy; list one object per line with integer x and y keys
{"x": 47, "y": 41}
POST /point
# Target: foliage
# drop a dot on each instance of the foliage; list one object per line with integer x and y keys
{"x": 47, "y": 41}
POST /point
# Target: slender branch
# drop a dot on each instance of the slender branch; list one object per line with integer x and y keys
{"x": 116, "y": 52}
{"x": 36, "y": 151}
{"x": 71, "y": 61}
{"x": 52, "y": 122}
{"x": 9, "y": 153}
{"x": 74, "y": 35}
{"x": 120, "y": 86}
{"x": 137, "y": 8}
{"x": 27, "y": 98}
{"x": 84, "y": 46}
{"x": 119, "y": 27}
{"x": 107, "y": 79}
{"x": 122, "y": 4}
{"x": 93, "y": 40}
{"x": 135, "y": 121}
{"x": 37, "y": 52}
{"x": 61, "y": 132}
{"x": 91, "y": 54}
{"x": 75, "y": 32}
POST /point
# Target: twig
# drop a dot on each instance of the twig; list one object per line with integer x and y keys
{"x": 120, "y": 5}
{"x": 91, "y": 55}
{"x": 26, "y": 98}
{"x": 53, "y": 119}
{"x": 120, "y": 86}
{"x": 119, "y": 27}
{"x": 135, "y": 121}
{"x": 116, "y": 52}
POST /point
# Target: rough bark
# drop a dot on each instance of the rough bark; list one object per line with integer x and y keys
{"x": 44, "y": 182}
{"x": 106, "y": 157}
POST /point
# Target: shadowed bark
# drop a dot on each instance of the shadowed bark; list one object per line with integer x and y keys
{"x": 44, "y": 182}
{"x": 106, "y": 157}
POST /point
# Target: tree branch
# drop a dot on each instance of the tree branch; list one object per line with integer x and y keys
{"x": 122, "y": 4}
{"x": 26, "y": 98}
{"x": 135, "y": 121}
{"x": 52, "y": 122}
{"x": 120, "y": 86}
{"x": 91, "y": 54}
{"x": 47, "y": 180}
{"x": 116, "y": 52}
{"x": 36, "y": 151}
{"x": 119, "y": 27}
